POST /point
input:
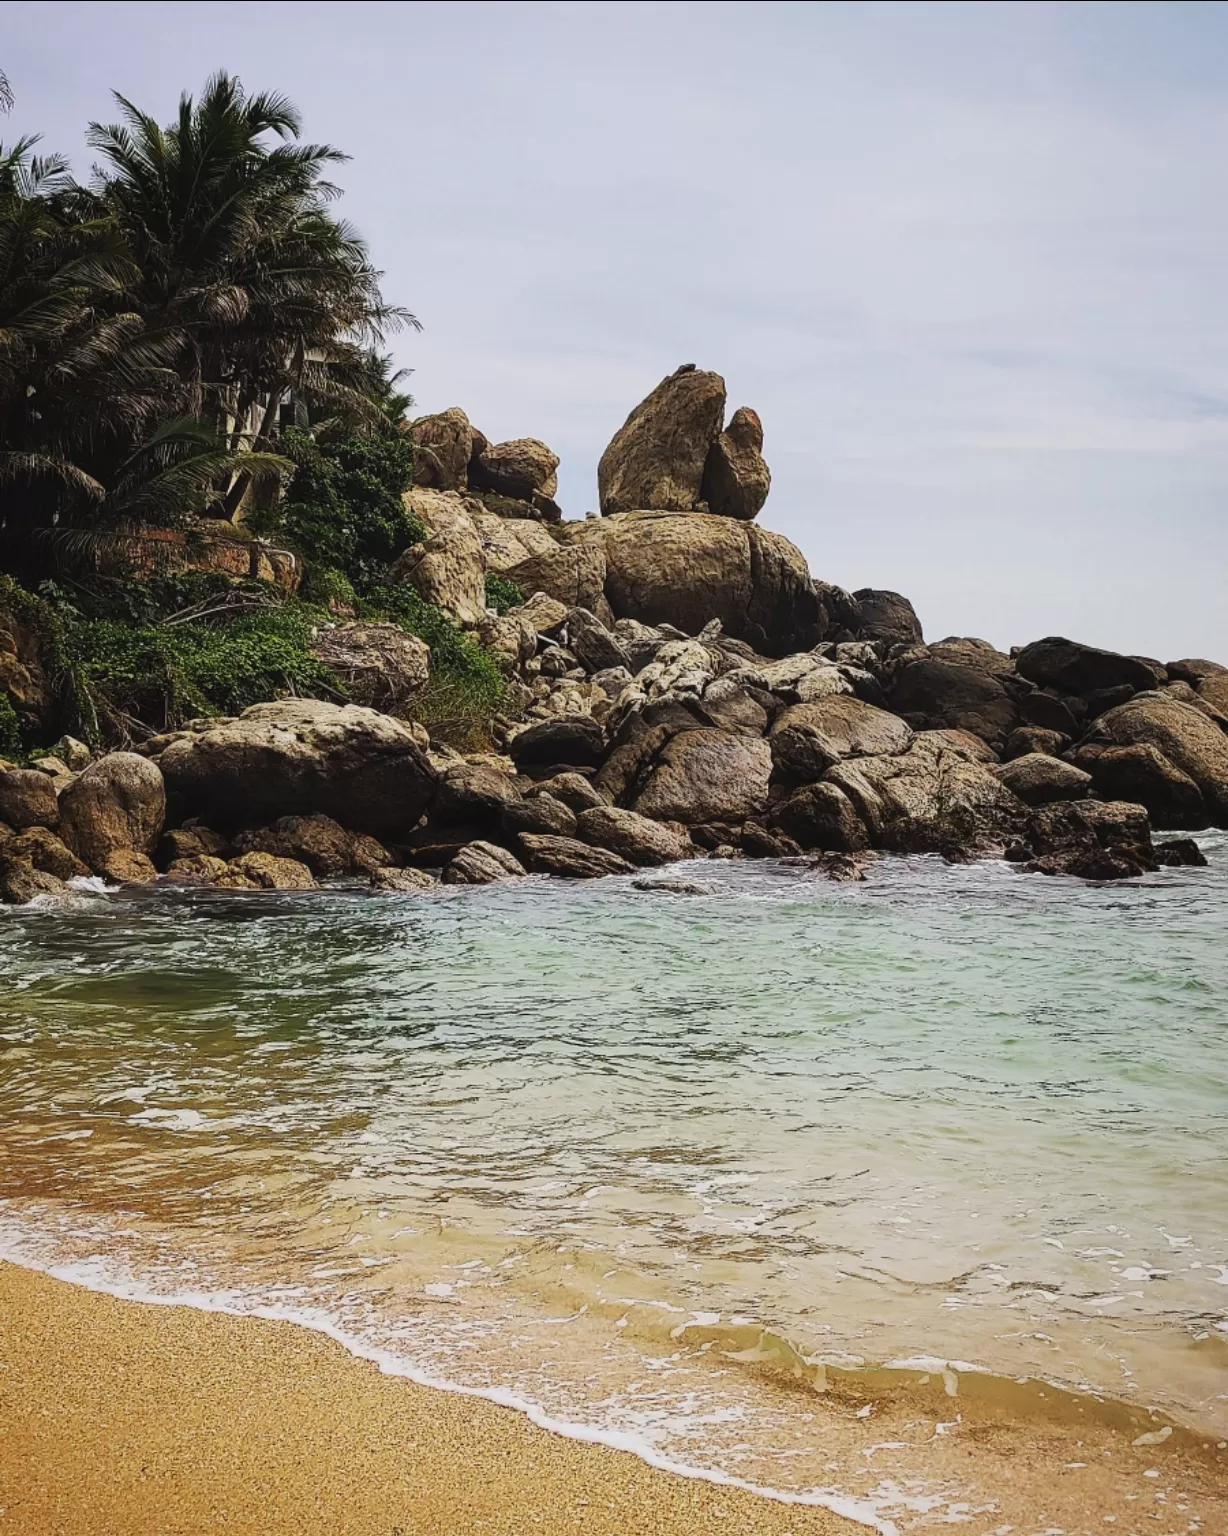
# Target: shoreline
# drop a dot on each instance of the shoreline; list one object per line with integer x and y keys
{"x": 130, "y": 1419}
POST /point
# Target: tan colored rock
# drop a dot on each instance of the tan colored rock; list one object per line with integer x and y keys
{"x": 448, "y": 568}
{"x": 318, "y": 841}
{"x": 545, "y": 614}
{"x": 1039, "y": 779}
{"x": 508, "y": 541}
{"x": 822, "y": 816}
{"x": 190, "y": 843}
{"x": 707, "y": 775}
{"x": 444, "y": 445}
{"x": 512, "y": 639}
{"x": 27, "y": 799}
{"x": 402, "y": 882}
{"x": 656, "y": 458}
{"x": 379, "y": 665}
{"x": 26, "y": 665}
{"x": 633, "y": 837}
{"x": 42, "y": 849}
{"x": 275, "y": 874}
{"x": 200, "y": 869}
{"x": 73, "y": 752}
{"x": 482, "y": 863}
{"x": 667, "y": 568}
{"x": 21, "y": 882}
{"x": 736, "y": 478}
{"x": 808, "y": 739}
{"x": 127, "y": 867}
{"x": 573, "y": 575}
{"x": 1214, "y": 689}
{"x": 299, "y": 756}
{"x": 117, "y": 804}
{"x": 568, "y": 857}
{"x": 1192, "y": 744}
{"x": 886, "y": 616}
{"x": 522, "y": 468}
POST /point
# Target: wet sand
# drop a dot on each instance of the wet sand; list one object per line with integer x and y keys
{"x": 137, "y": 1420}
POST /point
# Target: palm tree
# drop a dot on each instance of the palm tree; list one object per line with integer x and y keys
{"x": 6, "y": 93}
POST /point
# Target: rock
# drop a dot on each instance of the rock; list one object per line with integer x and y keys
{"x": 730, "y": 706}
{"x": 631, "y": 836}
{"x": 641, "y": 642}
{"x": 577, "y": 740}
{"x": 1091, "y": 839}
{"x": 706, "y": 775}
{"x": 1194, "y": 745}
{"x": 544, "y": 614}
{"x": 594, "y": 646}
{"x": 1047, "y": 712}
{"x": 929, "y": 799}
{"x": 473, "y": 792}
{"x": 573, "y": 575}
{"x": 42, "y": 849}
{"x": 1033, "y": 738}
{"x": 1102, "y": 699}
{"x": 673, "y": 885}
{"x": 886, "y": 616}
{"x": 568, "y": 857}
{"x": 538, "y": 813}
{"x": 72, "y": 752}
{"x": 801, "y": 679}
{"x": 807, "y": 739}
{"x": 198, "y": 869}
{"x": 1180, "y": 852}
{"x": 190, "y": 843}
{"x": 736, "y": 479}
{"x": 379, "y": 665}
{"x": 1214, "y": 690}
{"x": 448, "y": 568}
{"x": 656, "y": 459}
{"x": 318, "y": 841}
{"x": 843, "y": 868}
{"x": 297, "y": 757}
{"x": 1184, "y": 694}
{"x": 28, "y": 799}
{"x": 21, "y": 882}
{"x": 574, "y": 790}
{"x": 757, "y": 842}
{"x": 1037, "y": 779}
{"x": 403, "y": 882}
{"x": 271, "y": 873}
{"x": 125, "y": 866}
{"x": 507, "y": 542}
{"x": 821, "y": 816}
{"x": 518, "y": 468}
{"x": 1143, "y": 775}
{"x": 512, "y": 639}
{"x": 481, "y": 863}
{"x": 960, "y": 743}
{"x": 233, "y": 879}
{"x": 28, "y": 664}
{"x": 53, "y": 767}
{"x": 1074, "y": 668}
{"x": 611, "y": 681}
{"x": 955, "y": 687}
{"x": 1193, "y": 669}
{"x": 117, "y": 804}
{"x": 663, "y": 568}
{"x": 444, "y": 445}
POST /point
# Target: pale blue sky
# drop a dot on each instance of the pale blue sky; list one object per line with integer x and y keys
{"x": 969, "y": 262}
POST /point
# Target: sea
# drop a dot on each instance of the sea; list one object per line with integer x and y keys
{"x": 907, "y": 1198}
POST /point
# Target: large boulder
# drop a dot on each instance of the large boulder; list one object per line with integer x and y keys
{"x": 1143, "y": 775}
{"x": 631, "y": 836}
{"x": 572, "y": 575}
{"x": 566, "y": 856}
{"x": 656, "y": 458}
{"x": 822, "y": 816}
{"x": 443, "y": 446}
{"x": 1039, "y": 779}
{"x": 42, "y": 849}
{"x": 1194, "y": 746}
{"x": 510, "y": 541}
{"x": 116, "y": 804}
{"x": 807, "y": 739}
{"x": 482, "y": 863}
{"x": 1056, "y": 662}
{"x": 886, "y": 616}
{"x": 1214, "y": 689}
{"x": 317, "y": 841}
{"x": 518, "y": 468}
{"x": 298, "y": 756}
{"x": 577, "y": 740}
{"x": 962, "y": 685}
{"x": 448, "y": 567}
{"x": 736, "y": 479}
{"x": 27, "y": 799}
{"x": 931, "y": 799}
{"x": 669, "y": 568}
{"x": 1091, "y": 839}
{"x": 706, "y": 775}
{"x": 380, "y": 665}
{"x": 21, "y": 882}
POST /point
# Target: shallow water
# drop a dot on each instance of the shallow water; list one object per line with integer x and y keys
{"x": 723, "y": 1177}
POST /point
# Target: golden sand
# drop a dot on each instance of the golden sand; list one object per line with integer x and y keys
{"x": 125, "y": 1419}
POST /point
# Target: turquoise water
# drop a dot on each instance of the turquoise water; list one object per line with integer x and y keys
{"x": 635, "y": 1159}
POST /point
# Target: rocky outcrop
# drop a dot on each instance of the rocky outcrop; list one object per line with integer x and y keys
{"x": 26, "y": 663}
{"x": 577, "y": 740}
{"x": 21, "y": 883}
{"x": 448, "y": 567}
{"x": 822, "y": 816}
{"x": 443, "y": 446}
{"x": 520, "y": 468}
{"x": 117, "y": 805}
{"x": 380, "y": 665}
{"x": 269, "y": 872}
{"x": 808, "y": 739}
{"x": 573, "y": 576}
{"x": 296, "y": 757}
{"x": 656, "y": 459}
{"x": 1081, "y": 669}
{"x": 42, "y": 849}
{"x": 1190, "y": 745}
{"x": 705, "y": 775}
{"x": 886, "y": 616}
{"x": 736, "y": 479}
{"x": 1091, "y": 839}
{"x": 956, "y": 685}
{"x": 663, "y": 568}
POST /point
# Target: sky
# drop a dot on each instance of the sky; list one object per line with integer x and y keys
{"x": 968, "y": 262}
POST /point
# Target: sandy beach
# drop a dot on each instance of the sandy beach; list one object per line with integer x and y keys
{"x": 137, "y": 1420}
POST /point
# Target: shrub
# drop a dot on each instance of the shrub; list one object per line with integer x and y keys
{"x": 501, "y": 593}
{"x": 343, "y": 510}
{"x": 10, "y": 728}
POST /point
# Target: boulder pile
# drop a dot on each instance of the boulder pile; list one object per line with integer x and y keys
{"x": 678, "y": 686}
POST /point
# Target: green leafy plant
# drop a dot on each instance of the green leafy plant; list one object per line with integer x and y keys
{"x": 10, "y": 728}
{"x": 502, "y": 593}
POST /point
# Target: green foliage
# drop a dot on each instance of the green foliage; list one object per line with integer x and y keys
{"x": 10, "y": 728}
{"x": 502, "y": 593}
{"x": 343, "y": 511}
